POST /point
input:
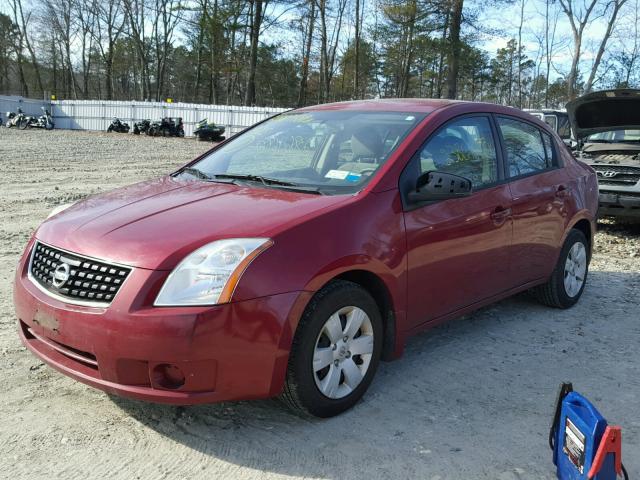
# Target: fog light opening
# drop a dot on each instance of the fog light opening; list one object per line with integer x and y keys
{"x": 168, "y": 376}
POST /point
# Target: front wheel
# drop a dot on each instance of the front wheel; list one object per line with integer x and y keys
{"x": 23, "y": 124}
{"x": 335, "y": 351}
{"x": 568, "y": 279}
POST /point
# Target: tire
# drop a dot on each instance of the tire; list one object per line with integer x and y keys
{"x": 49, "y": 126}
{"x": 302, "y": 391}
{"x": 557, "y": 292}
{"x": 110, "y": 129}
{"x": 23, "y": 124}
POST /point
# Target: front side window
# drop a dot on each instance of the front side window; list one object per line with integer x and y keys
{"x": 524, "y": 146}
{"x": 331, "y": 151}
{"x": 463, "y": 147}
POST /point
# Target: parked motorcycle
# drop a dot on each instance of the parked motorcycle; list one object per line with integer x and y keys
{"x": 43, "y": 121}
{"x": 16, "y": 119}
{"x": 118, "y": 126}
{"x": 208, "y": 131}
{"x": 141, "y": 127}
{"x": 167, "y": 127}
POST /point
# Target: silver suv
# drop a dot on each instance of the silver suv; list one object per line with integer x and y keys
{"x": 606, "y": 126}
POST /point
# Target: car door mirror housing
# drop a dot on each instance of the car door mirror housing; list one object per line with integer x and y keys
{"x": 433, "y": 186}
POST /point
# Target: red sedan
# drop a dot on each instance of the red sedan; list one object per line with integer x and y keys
{"x": 292, "y": 258}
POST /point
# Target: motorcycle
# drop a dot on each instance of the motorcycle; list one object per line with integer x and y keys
{"x": 118, "y": 126}
{"x": 15, "y": 119}
{"x": 167, "y": 127}
{"x": 43, "y": 121}
{"x": 141, "y": 127}
{"x": 208, "y": 131}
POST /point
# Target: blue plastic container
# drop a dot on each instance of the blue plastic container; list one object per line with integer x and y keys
{"x": 578, "y": 434}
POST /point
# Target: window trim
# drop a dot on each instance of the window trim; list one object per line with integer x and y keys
{"x": 555, "y": 160}
{"x": 410, "y": 165}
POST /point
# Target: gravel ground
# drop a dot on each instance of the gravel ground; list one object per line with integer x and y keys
{"x": 470, "y": 399}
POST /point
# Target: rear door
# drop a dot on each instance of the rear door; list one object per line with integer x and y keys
{"x": 458, "y": 249}
{"x": 539, "y": 189}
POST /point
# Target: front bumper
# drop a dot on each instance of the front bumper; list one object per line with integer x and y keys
{"x": 623, "y": 203}
{"x": 177, "y": 355}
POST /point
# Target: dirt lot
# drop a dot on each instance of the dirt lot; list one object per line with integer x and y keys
{"x": 472, "y": 399}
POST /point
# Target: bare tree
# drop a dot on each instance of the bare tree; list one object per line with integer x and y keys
{"x": 329, "y": 45}
{"x": 136, "y": 12}
{"x": 520, "y": 51}
{"x": 304, "y": 74}
{"x": 85, "y": 17}
{"x": 110, "y": 23}
{"x": 579, "y": 15}
{"x": 166, "y": 17}
{"x": 256, "y": 22}
{"x": 23, "y": 21}
{"x": 614, "y": 6}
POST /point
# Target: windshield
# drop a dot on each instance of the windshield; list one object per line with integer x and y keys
{"x": 615, "y": 136}
{"x": 333, "y": 152}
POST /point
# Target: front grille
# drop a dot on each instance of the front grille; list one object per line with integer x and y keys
{"x": 82, "y": 280}
{"x": 617, "y": 175}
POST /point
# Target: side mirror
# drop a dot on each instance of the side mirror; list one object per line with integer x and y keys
{"x": 433, "y": 186}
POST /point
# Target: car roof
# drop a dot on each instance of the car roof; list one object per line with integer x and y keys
{"x": 413, "y": 105}
{"x": 421, "y": 105}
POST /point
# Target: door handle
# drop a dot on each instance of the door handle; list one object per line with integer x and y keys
{"x": 500, "y": 215}
{"x": 562, "y": 191}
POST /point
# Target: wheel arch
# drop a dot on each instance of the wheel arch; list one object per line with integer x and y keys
{"x": 377, "y": 288}
{"x": 585, "y": 225}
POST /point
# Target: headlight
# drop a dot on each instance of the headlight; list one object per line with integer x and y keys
{"x": 209, "y": 275}
{"x": 59, "y": 209}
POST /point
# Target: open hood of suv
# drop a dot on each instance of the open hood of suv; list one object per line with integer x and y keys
{"x": 604, "y": 111}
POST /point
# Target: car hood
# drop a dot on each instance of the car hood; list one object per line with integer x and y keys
{"x": 154, "y": 224}
{"x": 604, "y": 111}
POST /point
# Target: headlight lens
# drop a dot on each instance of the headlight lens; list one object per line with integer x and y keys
{"x": 209, "y": 275}
{"x": 59, "y": 209}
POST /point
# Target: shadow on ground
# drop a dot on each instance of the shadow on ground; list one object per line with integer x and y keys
{"x": 469, "y": 399}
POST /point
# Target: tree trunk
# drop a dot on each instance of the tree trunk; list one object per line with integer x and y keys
{"x": 356, "y": 60}
{"x": 302, "y": 93}
{"x": 250, "y": 93}
{"x": 454, "y": 49}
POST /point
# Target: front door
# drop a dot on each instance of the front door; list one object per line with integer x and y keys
{"x": 458, "y": 249}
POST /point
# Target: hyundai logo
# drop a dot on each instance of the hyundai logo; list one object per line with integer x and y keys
{"x": 608, "y": 173}
{"x": 60, "y": 275}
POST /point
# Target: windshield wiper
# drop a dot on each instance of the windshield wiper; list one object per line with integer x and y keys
{"x": 267, "y": 181}
{"x": 196, "y": 172}
{"x": 256, "y": 178}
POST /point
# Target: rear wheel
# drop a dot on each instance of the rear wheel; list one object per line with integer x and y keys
{"x": 335, "y": 352}
{"x": 568, "y": 279}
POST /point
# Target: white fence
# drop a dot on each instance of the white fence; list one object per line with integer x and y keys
{"x": 97, "y": 114}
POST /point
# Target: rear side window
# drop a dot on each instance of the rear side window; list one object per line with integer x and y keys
{"x": 527, "y": 149}
{"x": 463, "y": 147}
